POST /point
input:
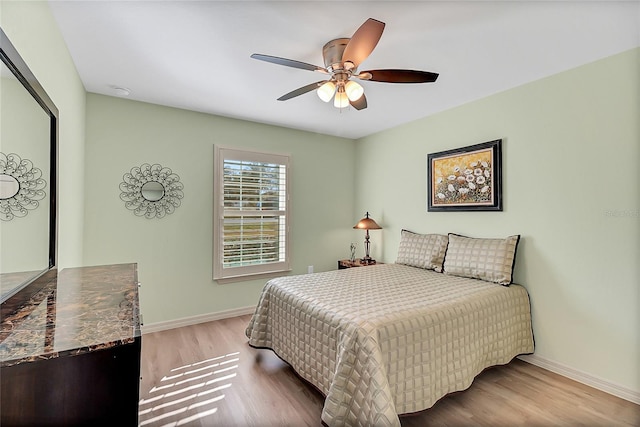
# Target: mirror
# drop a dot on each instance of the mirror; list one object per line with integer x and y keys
{"x": 21, "y": 184}
{"x": 152, "y": 191}
{"x": 28, "y": 141}
{"x": 9, "y": 186}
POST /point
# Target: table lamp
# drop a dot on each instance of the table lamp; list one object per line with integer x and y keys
{"x": 367, "y": 223}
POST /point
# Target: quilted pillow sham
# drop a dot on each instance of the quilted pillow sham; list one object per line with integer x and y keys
{"x": 422, "y": 250}
{"x": 485, "y": 259}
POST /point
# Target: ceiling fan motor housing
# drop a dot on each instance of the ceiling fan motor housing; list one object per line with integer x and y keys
{"x": 332, "y": 54}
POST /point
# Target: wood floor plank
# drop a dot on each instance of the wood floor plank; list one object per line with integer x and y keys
{"x": 207, "y": 375}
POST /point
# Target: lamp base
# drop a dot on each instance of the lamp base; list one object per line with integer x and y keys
{"x": 367, "y": 261}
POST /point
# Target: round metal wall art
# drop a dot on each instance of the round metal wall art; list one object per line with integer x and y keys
{"x": 21, "y": 186}
{"x": 151, "y": 191}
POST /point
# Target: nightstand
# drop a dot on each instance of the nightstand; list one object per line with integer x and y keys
{"x": 347, "y": 263}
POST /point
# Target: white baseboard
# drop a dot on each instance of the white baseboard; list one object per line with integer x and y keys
{"x": 583, "y": 377}
{"x": 194, "y": 320}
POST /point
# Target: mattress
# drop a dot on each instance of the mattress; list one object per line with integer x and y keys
{"x": 389, "y": 339}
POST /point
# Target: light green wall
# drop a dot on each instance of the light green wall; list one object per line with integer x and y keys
{"x": 174, "y": 254}
{"x": 33, "y": 31}
{"x": 571, "y": 147}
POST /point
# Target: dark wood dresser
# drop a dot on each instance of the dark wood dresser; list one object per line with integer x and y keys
{"x": 70, "y": 352}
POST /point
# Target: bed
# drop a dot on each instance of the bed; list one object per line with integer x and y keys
{"x": 390, "y": 339}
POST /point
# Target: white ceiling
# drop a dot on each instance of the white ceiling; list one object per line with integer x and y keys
{"x": 195, "y": 54}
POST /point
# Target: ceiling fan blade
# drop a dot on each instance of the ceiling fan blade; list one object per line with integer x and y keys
{"x": 289, "y": 63}
{"x": 302, "y": 90}
{"x": 363, "y": 41}
{"x": 360, "y": 103}
{"x": 399, "y": 76}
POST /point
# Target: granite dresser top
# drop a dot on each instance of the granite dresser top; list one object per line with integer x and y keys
{"x": 85, "y": 309}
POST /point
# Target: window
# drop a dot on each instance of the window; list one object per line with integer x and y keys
{"x": 251, "y": 220}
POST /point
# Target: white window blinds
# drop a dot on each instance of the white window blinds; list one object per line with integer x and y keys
{"x": 251, "y": 227}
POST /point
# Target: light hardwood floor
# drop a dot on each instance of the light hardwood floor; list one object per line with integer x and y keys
{"x": 207, "y": 375}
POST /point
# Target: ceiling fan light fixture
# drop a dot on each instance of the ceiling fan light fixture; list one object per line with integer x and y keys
{"x": 354, "y": 90}
{"x": 341, "y": 100}
{"x": 326, "y": 91}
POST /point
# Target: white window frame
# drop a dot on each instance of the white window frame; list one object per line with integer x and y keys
{"x": 231, "y": 274}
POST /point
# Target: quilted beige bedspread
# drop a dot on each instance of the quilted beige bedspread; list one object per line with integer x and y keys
{"x": 389, "y": 339}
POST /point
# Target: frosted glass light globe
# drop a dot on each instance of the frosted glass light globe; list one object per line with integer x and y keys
{"x": 326, "y": 91}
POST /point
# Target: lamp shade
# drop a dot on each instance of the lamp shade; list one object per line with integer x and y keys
{"x": 354, "y": 90}
{"x": 340, "y": 100}
{"x": 367, "y": 223}
{"x": 326, "y": 91}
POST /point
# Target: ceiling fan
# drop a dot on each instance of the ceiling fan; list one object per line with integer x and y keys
{"x": 341, "y": 59}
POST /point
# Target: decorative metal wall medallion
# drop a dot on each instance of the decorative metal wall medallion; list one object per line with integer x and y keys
{"x": 21, "y": 186}
{"x": 151, "y": 191}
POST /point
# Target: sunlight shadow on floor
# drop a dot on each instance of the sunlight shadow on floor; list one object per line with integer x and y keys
{"x": 169, "y": 404}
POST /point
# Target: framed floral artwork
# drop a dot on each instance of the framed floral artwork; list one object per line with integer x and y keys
{"x": 465, "y": 179}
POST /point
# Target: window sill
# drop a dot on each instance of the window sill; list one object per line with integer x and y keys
{"x": 248, "y": 277}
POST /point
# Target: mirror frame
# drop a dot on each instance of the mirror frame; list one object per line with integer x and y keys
{"x": 138, "y": 177}
{"x": 12, "y": 59}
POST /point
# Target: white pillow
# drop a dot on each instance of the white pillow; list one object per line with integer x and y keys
{"x": 485, "y": 259}
{"x": 422, "y": 250}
